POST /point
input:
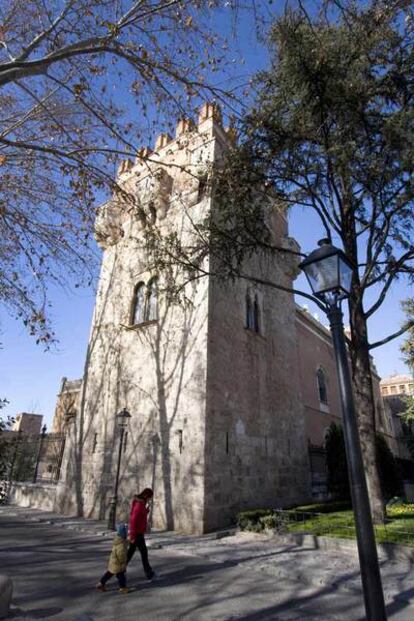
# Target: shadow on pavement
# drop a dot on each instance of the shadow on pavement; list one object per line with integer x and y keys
{"x": 36, "y": 613}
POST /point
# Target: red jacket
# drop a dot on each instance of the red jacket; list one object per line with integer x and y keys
{"x": 138, "y": 519}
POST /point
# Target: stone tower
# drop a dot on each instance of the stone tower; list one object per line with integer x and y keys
{"x": 212, "y": 386}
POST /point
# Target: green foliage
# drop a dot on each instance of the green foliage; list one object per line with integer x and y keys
{"x": 407, "y": 348}
{"x": 331, "y": 521}
{"x": 399, "y": 527}
{"x": 257, "y": 520}
{"x": 402, "y": 510}
{"x": 269, "y": 522}
{"x": 388, "y": 469}
{"x": 407, "y": 418}
{"x": 250, "y": 520}
{"x": 18, "y": 453}
{"x": 6, "y": 444}
{"x": 338, "y": 480}
{"x": 408, "y": 414}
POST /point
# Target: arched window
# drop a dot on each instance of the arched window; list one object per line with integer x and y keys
{"x": 249, "y": 312}
{"x": 323, "y": 393}
{"x": 256, "y": 315}
{"x": 137, "y": 315}
{"x": 151, "y": 306}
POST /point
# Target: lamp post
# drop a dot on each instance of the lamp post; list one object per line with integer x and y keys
{"x": 329, "y": 273}
{"x": 122, "y": 420}
{"x": 39, "y": 452}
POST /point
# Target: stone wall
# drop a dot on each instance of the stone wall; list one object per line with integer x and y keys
{"x": 36, "y": 495}
{"x": 256, "y": 451}
{"x": 156, "y": 369}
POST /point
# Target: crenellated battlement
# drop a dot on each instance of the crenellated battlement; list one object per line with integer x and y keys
{"x": 174, "y": 170}
{"x": 209, "y": 125}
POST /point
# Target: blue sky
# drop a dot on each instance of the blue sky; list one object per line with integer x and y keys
{"x": 30, "y": 377}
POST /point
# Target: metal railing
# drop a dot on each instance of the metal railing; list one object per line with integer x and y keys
{"x": 30, "y": 458}
{"x": 338, "y": 525}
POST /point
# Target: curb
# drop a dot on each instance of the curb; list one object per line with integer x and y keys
{"x": 386, "y": 551}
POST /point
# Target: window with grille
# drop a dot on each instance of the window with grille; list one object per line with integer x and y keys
{"x": 145, "y": 303}
{"x": 138, "y": 304}
{"x": 322, "y": 389}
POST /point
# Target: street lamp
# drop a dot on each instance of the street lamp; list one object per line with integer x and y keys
{"x": 122, "y": 421}
{"x": 39, "y": 452}
{"x": 329, "y": 273}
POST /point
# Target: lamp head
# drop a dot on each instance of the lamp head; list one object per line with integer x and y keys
{"x": 123, "y": 417}
{"x": 329, "y": 272}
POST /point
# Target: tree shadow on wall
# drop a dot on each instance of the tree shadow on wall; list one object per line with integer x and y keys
{"x": 147, "y": 370}
{"x": 159, "y": 389}
{"x": 80, "y": 429}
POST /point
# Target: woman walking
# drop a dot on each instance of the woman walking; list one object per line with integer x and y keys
{"x": 138, "y": 524}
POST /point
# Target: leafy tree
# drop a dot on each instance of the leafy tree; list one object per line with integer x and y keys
{"x": 407, "y": 347}
{"x": 6, "y": 445}
{"x": 389, "y": 471}
{"x": 69, "y": 71}
{"x": 406, "y": 412}
{"x": 332, "y": 131}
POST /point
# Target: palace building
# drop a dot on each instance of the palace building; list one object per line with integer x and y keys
{"x": 230, "y": 393}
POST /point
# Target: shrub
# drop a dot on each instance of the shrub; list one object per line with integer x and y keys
{"x": 388, "y": 469}
{"x": 338, "y": 480}
{"x": 250, "y": 520}
{"x": 403, "y": 511}
{"x": 268, "y": 521}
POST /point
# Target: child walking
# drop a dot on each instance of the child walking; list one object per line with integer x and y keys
{"x": 117, "y": 561}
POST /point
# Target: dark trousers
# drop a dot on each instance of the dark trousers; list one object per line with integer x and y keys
{"x": 142, "y": 547}
{"x": 121, "y": 577}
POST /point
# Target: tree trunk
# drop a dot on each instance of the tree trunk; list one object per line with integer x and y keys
{"x": 365, "y": 405}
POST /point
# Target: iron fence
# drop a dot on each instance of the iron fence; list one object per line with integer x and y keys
{"x": 29, "y": 458}
{"x": 342, "y": 525}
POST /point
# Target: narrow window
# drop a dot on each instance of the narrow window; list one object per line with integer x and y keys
{"x": 151, "y": 306}
{"x": 249, "y": 312}
{"x": 256, "y": 315}
{"x": 95, "y": 442}
{"x": 138, "y": 304}
{"x": 227, "y": 442}
{"x": 202, "y": 188}
{"x": 180, "y": 440}
{"x": 323, "y": 393}
{"x": 152, "y": 212}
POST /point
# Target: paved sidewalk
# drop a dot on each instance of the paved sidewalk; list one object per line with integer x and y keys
{"x": 327, "y": 571}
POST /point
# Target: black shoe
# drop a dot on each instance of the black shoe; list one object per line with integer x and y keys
{"x": 152, "y": 576}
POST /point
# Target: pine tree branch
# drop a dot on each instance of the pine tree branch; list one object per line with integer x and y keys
{"x": 393, "y": 336}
